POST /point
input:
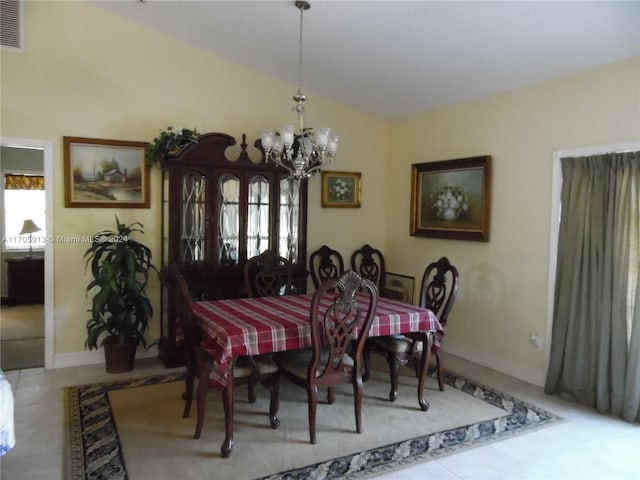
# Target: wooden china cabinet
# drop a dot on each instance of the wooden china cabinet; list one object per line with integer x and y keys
{"x": 218, "y": 212}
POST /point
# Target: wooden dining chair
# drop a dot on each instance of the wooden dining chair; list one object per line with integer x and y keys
{"x": 268, "y": 274}
{"x": 368, "y": 262}
{"x": 325, "y": 264}
{"x": 437, "y": 293}
{"x": 338, "y": 308}
{"x": 246, "y": 369}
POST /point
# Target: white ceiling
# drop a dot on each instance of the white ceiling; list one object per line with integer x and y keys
{"x": 398, "y": 58}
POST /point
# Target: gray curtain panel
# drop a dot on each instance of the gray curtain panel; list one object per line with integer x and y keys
{"x": 595, "y": 345}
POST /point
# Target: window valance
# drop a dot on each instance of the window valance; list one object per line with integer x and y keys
{"x": 14, "y": 181}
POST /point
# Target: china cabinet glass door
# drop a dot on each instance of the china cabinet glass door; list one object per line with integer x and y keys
{"x": 228, "y": 219}
{"x": 288, "y": 235}
{"x": 193, "y": 218}
{"x": 258, "y": 213}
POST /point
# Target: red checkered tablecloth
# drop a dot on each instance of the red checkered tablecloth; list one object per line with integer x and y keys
{"x": 252, "y": 326}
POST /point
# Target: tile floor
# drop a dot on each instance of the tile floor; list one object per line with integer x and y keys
{"x": 587, "y": 446}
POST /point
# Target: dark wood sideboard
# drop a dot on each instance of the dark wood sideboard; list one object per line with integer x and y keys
{"x": 25, "y": 280}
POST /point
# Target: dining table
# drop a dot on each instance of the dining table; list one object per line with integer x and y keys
{"x": 263, "y": 325}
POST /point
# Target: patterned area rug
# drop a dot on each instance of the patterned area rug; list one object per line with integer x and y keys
{"x": 97, "y": 453}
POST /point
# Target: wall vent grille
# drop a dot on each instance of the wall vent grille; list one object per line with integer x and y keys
{"x": 11, "y": 24}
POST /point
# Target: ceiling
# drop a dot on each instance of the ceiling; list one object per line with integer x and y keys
{"x": 398, "y": 58}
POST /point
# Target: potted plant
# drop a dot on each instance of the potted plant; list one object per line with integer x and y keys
{"x": 168, "y": 141}
{"x": 121, "y": 309}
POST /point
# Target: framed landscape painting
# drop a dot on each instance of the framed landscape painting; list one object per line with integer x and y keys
{"x": 341, "y": 189}
{"x": 105, "y": 173}
{"x": 452, "y": 198}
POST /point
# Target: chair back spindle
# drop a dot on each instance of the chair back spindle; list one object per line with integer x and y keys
{"x": 325, "y": 264}
{"x": 368, "y": 262}
{"x": 439, "y": 288}
{"x": 334, "y": 328}
{"x": 268, "y": 274}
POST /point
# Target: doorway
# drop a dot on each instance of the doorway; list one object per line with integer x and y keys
{"x": 26, "y": 324}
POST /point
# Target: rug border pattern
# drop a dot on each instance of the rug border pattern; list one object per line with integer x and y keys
{"x": 96, "y": 452}
{"x": 520, "y": 417}
{"x": 95, "y": 448}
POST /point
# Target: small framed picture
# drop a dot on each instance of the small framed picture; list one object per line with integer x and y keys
{"x": 398, "y": 287}
{"x": 341, "y": 189}
{"x": 105, "y": 173}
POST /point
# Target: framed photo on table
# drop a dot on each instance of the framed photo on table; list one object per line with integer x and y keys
{"x": 452, "y": 198}
{"x": 105, "y": 173}
{"x": 341, "y": 189}
{"x": 398, "y": 287}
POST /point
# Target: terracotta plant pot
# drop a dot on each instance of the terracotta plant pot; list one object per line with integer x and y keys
{"x": 118, "y": 357}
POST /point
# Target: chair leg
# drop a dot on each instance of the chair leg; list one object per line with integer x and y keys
{"x": 440, "y": 370}
{"x": 331, "y": 395}
{"x": 227, "y": 405}
{"x": 366, "y": 357}
{"x": 312, "y": 392}
{"x": 252, "y": 391}
{"x": 423, "y": 364}
{"x": 188, "y": 394}
{"x": 201, "y": 401}
{"x": 274, "y": 387}
{"x": 416, "y": 364}
{"x": 394, "y": 373}
{"x": 357, "y": 402}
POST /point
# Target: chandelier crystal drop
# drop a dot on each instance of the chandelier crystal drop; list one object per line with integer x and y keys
{"x": 300, "y": 149}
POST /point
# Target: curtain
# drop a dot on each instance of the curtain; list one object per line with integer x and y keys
{"x": 595, "y": 344}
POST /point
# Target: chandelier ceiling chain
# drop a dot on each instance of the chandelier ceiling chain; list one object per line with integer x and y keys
{"x": 302, "y": 9}
{"x": 300, "y": 149}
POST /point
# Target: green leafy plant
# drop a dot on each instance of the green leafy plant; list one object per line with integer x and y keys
{"x": 170, "y": 140}
{"x": 120, "y": 267}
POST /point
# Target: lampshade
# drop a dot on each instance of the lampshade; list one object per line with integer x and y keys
{"x": 29, "y": 227}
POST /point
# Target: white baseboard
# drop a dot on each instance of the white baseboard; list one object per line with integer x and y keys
{"x": 93, "y": 357}
{"x": 497, "y": 363}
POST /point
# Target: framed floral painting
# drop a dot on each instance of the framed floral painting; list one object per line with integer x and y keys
{"x": 341, "y": 189}
{"x": 452, "y": 198}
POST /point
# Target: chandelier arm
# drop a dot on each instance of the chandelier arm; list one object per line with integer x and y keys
{"x": 278, "y": 161}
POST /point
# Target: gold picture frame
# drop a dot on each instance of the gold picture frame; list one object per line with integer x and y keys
{"x": 452, "y": 198}
{"x": 105, "y": 173}
{"x": 341, "y": 189}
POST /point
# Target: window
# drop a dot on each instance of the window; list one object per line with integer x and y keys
{"x": 24, "y": 199}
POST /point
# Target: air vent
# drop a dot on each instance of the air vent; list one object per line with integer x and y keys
{"x": 11, "y": 24}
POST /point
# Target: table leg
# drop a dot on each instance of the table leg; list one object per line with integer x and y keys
{"x": 227, "y": 401}
{"x": 424, "y": 367}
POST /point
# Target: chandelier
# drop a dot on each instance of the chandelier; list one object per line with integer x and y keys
{"x": 300, "y": 149}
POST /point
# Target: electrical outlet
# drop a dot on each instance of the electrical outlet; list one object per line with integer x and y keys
{"x": 536, "y": 341}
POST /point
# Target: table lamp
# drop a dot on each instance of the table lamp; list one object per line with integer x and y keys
{"x": 29, "y": 227}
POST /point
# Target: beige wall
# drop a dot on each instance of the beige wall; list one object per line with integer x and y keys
{"x": 87, "y": 73}
{"x": 503, "y": 294}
